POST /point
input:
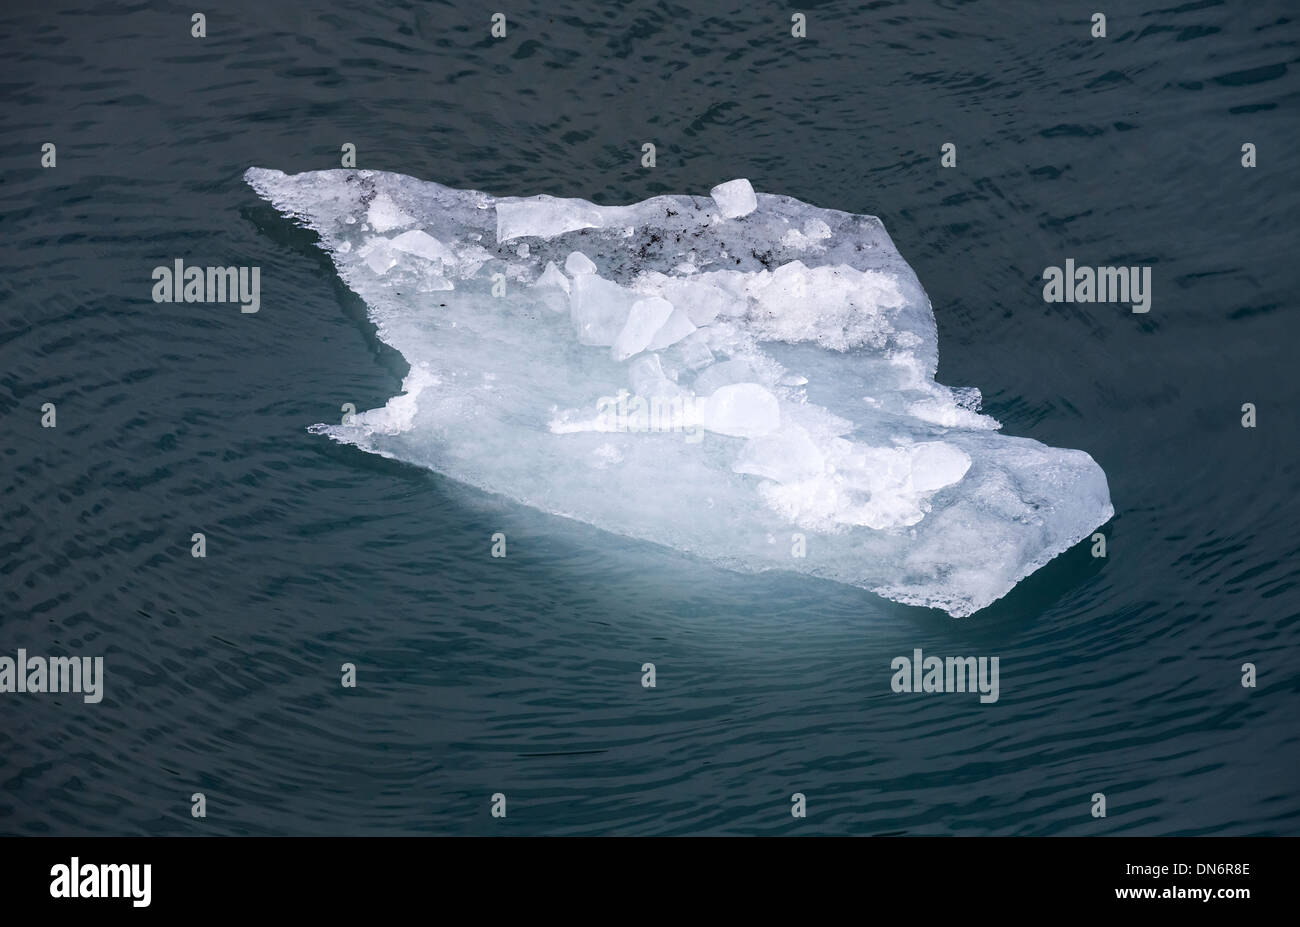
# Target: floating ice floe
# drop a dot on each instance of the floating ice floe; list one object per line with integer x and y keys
{"x": 714, "y": 374}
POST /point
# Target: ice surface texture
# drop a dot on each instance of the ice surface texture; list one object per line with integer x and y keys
{"x": 713, "y": 374}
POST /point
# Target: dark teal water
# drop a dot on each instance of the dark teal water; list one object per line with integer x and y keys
{"x": 522, "y": 675}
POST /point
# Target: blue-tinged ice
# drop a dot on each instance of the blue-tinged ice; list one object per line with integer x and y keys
{"x": 714, "y": 374}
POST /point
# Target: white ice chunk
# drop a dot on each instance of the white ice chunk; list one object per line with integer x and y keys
{"x": 578, "y": 263}
{"x": 645, "y": 318}
{"x": 378, "y": 255}
{"x": 672, "y": 331}
{"x": 646, "y": 375}
{"x": 398, "y": 414}
{"x": 787, "y": 456}
{"x": 544, "y": 217}
{"x": 735, "y": 198}
{"x": 385, "y": 215}
{"x": 803, "y": 400}
{"x": 551, "y": 276}
{"x": 702, "y": 300}
{"x": 936, "y": 464}
{"x": 599, "y": 309}
{"x": 880, "y": 488}
{"x": 814, "y": 231}
{"x": 743, "y": 410}
{"x": 421, "y": 244}
{"x": 836, "y": 306}
{"x": 692, "y": 352}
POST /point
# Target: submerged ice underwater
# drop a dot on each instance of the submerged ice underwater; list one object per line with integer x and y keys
{"x": 742, "y": 377}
